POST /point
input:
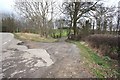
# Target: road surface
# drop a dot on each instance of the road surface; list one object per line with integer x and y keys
{"x": 42, "y": 60}
{"x": 6, "y": 38}
{"x": 20, "y": 55}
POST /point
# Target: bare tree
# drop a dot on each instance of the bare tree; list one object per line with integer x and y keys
{"x": 36, "y": 14}
{"x": 76, "y": 10}
{"x": 118, "y": 20}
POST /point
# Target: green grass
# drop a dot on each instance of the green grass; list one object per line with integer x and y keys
{"x": 33, "y": 37}
{"x": 101, "y": 67}
{"x": 63, "y": 32}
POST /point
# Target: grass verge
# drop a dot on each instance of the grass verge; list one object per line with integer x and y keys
{"x": 99, "y": 66}
{"x": 33, "y": 37}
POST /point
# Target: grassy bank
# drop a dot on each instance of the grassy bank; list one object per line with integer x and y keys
{"x": 100, "y": 66}
{"x": 33, "y": 37}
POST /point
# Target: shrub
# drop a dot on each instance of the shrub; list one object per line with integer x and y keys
{"x": 107, "y": 44}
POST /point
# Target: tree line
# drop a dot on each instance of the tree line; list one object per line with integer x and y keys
{"x": 80, "y": 18}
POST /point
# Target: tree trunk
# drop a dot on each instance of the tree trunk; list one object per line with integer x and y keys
{"x": 93, "y": 28}
{"x": 75, "y": 19}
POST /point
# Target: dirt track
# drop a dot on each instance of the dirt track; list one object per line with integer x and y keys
{"x": 67, "y": 60}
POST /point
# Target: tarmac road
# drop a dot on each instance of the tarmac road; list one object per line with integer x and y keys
{"x": 18, "y": 59}
{"x": 6, "y": 38}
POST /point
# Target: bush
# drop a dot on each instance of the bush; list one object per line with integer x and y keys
{"x": 107, "y": 44}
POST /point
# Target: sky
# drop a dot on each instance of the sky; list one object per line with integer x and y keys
{"x": 8, "y": 5}
{"x": 111, "y": 2}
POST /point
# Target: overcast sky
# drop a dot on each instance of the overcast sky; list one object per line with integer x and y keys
{"x": 7, "y": 5}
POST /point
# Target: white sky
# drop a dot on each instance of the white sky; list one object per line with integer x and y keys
{"x": 7, "y": 5}
{"x": 111, "y": 2}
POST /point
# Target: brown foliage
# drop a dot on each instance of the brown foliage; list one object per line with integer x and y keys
{"x": 107, "y": 44}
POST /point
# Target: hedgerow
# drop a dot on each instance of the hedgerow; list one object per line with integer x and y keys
{"x": 106, "y": 44}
